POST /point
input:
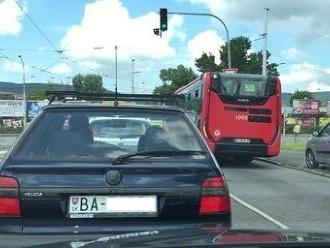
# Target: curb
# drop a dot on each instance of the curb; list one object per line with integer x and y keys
{"x": 9, "y": 134}
{"x": 310, "y": 171}
{"x": 269, "y": 161}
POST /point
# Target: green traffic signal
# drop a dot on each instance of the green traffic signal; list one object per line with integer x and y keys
{"x": 163, "y": 19}
{"x": 164, "y": 26}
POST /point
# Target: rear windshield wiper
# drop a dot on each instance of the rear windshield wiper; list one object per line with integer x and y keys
{"x": 155, "y": 153}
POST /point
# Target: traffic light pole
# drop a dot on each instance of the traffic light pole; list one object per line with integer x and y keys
{"x": 216, "y": 17}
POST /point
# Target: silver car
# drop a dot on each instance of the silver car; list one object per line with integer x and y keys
{"x": 318, "y": 148}
{"x": 122, "y": 132}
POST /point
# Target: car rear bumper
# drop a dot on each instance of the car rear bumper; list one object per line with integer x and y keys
{"x": 97, "y": 226}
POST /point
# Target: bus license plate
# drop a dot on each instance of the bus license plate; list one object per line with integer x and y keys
{"x": 112, "y": 206}
{"x": 244, "y": 141}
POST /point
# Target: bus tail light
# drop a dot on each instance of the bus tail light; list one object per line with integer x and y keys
{"x": 206, "y": 132}
{"x": 215, "y": 196}
{"x": 9, "y": 197}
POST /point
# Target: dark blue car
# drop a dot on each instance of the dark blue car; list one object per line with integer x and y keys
{"x": 66, "y": 174}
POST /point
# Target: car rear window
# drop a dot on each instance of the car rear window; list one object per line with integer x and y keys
{"x": 80, "y": 135}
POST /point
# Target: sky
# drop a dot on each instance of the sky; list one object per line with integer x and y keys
{"x": 58, "y": 39}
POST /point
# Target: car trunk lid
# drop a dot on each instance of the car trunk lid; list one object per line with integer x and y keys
{"x": 45, "y": 190}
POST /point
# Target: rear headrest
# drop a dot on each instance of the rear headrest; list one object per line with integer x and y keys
{"x": 78, "y": 122}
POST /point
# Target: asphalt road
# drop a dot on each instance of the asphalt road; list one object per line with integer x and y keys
{"x": 293, "y": 158}
{"x": 278, "y": 198}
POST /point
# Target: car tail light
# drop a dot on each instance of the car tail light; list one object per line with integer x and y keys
{"x": 9, "y": 197}
{"x": 215, "y": 196}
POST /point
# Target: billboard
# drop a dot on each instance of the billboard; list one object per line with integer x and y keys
{"x": 35, "y": 107}
{"x": 306, "y": 107}
{"x": 11, "y": 108}
{"x": 307, "y": 122}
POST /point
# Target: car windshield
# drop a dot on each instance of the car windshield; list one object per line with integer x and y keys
{"x": 80, "y": 135}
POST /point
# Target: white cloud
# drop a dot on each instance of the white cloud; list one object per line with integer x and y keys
{"x": 61, "y": 69}
{"x": 43, "y": 48}
{"x": 293, "y": 54}
{"x": 316, "y": 86}
{"x": 91, "y": 64}
{"x": 205, "y": 42}
{"x": 107, "y": 23}
{"x": 12, "y": 66}
{"x": 307, "y": 77}
{"x": 10, "y": 18}
{"x": 312, "y": 16}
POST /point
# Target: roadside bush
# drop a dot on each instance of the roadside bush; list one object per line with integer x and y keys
{"x": 303, "y": 130}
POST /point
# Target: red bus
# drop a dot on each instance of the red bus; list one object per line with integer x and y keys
{"x": 239, "y": 115}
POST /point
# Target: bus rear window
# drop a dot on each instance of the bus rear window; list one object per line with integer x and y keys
{"x": 241, "y": 86}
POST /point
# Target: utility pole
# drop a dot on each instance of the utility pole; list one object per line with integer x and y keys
{"x": 216, "y": 17}
{"x": 24, "y": 93}
{"x": 116, "y": 73}
{"x": 133, "y": 60}
{"x": 264, "y": 50}
{"x": 116, "y": 68}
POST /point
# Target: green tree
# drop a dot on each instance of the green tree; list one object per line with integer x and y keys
{"x": 254, "y": 64}
{"x": 174, "y": 78}
{"x": 90, "y": 83}
{"x": 39, "y": 93}
{"x": 244, "y": 61}
{"x": 78, "y": 82}
{"x": 301, "y": 94}
{"x": 163, "y": 89}
{"x": 239, "y": 53}
{"x": 206, "y": 63}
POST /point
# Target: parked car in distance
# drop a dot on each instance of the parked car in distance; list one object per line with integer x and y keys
{"x": 318, "y": 148}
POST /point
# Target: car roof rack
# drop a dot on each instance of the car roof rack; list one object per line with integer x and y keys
{"x": 67, "y": 96}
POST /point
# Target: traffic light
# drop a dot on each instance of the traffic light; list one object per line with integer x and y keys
{"x": 163, "y": 19}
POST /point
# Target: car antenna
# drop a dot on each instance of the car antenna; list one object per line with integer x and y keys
{"x": 116, "y": 89}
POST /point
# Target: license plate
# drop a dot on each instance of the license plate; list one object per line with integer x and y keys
{"x": 245, "y": 141}
{"x": 112, "y": 206}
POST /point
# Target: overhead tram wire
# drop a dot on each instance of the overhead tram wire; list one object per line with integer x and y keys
{"x": 319, "y": 35}
{"x": 31, "y": 66}
{"x": 16, "y": 60}
{"x": 80, "y": 64}
{"x": 58, "y": 51}
{"x": 19, "y": 4}
{"x": 71, "y": 40}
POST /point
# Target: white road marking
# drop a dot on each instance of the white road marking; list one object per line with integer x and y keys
{"x": 259, "y": 212}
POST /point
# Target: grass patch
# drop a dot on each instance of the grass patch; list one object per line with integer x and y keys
{"x": 294, "y": 146}
{"x": 10, "y": 130}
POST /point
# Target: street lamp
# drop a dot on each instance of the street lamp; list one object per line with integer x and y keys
{"x": 133, "y": 72}
{"x": 24, "y": 92}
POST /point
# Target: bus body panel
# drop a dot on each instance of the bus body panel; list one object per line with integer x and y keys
{"x": 238, "y": 129}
